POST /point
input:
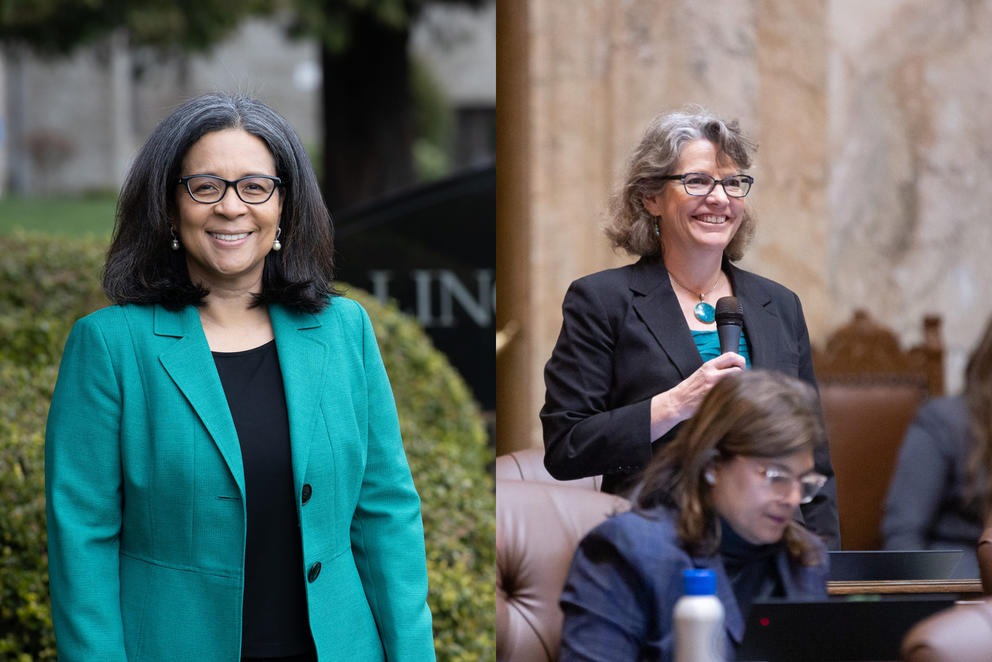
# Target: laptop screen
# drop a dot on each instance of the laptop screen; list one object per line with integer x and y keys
{"x": 834, "y": 629}
{"x": 893, "y": 565}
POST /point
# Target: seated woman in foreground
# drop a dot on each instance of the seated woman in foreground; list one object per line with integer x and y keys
{"x": 723, "y": 495}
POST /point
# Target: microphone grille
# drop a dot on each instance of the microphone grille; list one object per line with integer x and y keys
{"x": 729, "y": 306}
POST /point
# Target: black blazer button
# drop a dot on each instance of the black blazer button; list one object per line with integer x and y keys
{"x": 313, "y": 572}
{"x": 307, "y": 492}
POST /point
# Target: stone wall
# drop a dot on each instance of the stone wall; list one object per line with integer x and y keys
{"x": 872, "y": 144}
{"x": 909, "y": 141}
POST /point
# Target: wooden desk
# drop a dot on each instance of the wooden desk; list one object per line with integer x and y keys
{"x": 966, "y": 589}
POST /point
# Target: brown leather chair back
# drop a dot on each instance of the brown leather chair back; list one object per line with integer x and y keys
{"x": 865, "y": 424}
{"x": 538, "y": 527}
{"x": 528, "y": 464}
{"x": 870, "y": 390}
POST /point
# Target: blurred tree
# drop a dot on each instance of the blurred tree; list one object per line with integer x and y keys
{"x": 367, "y": 105}
{"x": 58, "y": 27}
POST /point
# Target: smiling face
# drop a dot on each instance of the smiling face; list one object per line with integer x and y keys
{"x": 226, "y": 242}
{"x": 690, "y": 223}
{"x": 741, "y": 495}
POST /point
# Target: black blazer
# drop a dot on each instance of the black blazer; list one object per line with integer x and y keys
{"x": 623, "y": 340}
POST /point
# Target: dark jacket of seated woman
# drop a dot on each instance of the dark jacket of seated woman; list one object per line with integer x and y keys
{"x": 723, "y": 495}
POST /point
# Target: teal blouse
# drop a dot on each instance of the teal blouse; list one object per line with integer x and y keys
{"x": 708, "y": 343}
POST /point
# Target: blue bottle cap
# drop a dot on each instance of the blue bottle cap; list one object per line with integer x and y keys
{"x": 699, "y": 582}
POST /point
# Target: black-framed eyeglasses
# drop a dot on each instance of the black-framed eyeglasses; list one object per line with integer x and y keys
{"x": 699, "y": 184}
{"x": 209, "y": 189}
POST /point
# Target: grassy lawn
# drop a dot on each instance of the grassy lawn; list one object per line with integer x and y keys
{"x": 90, "y": 215}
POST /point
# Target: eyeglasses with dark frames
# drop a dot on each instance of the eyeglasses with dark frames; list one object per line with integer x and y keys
{"x": 700, "y": 184}
{"x": 210, "y": 189}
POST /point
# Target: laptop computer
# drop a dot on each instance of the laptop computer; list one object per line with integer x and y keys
{"x": 892, "y": 565}
{"x": 834, "y": 629}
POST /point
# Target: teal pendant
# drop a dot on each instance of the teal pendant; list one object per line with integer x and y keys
{"x": 704, "y": 312}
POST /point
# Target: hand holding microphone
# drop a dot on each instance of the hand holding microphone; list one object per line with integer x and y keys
{"x": 681, "y": 402}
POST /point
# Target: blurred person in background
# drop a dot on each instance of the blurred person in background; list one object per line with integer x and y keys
{"x": 224, "y": 469}
{"x": 940, "y": 496}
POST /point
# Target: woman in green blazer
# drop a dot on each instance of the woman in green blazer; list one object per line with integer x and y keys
{"x": 224, "y": 469}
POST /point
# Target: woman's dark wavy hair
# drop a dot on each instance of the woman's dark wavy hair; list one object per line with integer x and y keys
{"x": 141, "y": 267}
{"x": 756, "y": 413}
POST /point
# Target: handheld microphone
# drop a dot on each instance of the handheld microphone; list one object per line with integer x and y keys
{"x": 729, "y": 320}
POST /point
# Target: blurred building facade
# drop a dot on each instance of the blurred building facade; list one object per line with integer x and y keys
{"x": 71, "y": 125}
{"x": 873, "y": 138}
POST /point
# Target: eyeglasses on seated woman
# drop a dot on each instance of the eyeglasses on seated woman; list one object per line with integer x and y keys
{"x": 723, "y": 495}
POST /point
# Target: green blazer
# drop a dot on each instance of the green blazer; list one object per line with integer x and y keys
{"x": 146, "y": 493}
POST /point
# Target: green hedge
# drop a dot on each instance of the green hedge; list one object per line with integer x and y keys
{"x": 46, "y": 283}
{"x": 25, "y": 622}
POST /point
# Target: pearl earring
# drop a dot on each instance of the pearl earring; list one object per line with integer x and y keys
{"x": 175, "y": 241}
{"x": 657, "y": 226}
{"x": 710, "y": 477}
{"x": 277, "y": 245}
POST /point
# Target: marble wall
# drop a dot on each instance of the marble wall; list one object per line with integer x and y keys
{"x": 873, "y": 138}
{"x": 910, "y": 138}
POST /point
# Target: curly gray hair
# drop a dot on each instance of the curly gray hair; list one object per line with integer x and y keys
{"x": 630, "y": 226}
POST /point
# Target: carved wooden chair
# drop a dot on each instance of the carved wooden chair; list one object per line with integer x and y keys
{"x": 870, "y": 389}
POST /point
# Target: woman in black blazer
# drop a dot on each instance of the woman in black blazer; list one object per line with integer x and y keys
{"x": 638, "y": 348}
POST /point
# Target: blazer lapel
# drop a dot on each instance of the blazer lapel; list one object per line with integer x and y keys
{"x": 302, "y": 359}
{"x": 191, "y": 366}
{"x": 760, "y": 323}
{"x": 733, "y": 619}
{"x": 658, "y": 307}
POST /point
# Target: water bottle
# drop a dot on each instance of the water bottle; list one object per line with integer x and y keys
{"x": 699, "y": 635}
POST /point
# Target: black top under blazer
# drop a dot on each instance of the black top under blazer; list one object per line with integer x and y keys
{"x": 623, "y": 340}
